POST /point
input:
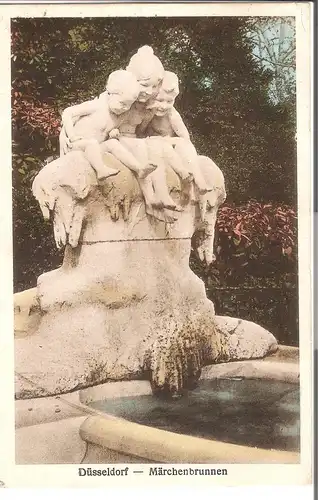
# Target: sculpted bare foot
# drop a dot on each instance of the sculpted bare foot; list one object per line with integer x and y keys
{"x": 205, "y": 252}
{"x": 106, "y": 172}
{"x": 167, "y": 203}
{"x": 161, "y": 214}
{"x": 150, "y": 210}
{"x": 186, "y": 176}
{"x": 143, "y": 172}
{"x": 188, "y": 192}
{"x": 204, "y": 189}
{"x": 177, "y": 208}
{"x": 169, "y": 216}
{"x": 169, "y": 206}
{"x": 201, "y": 185}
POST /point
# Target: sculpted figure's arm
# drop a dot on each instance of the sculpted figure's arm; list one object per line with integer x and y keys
{"x": 178, "y": 125}
{"x": 141, "y": 130}
{"x": 84, "y": 128}
{"x": 64, "y": 142}
{"x": 186, "y": 151}
{"x": 71, "y": 113}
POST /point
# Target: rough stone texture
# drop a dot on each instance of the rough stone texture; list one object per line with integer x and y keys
{"x": 241, "y": 335}
{"x": 264, "y": 369}
{"x": 27, "y": 313}
{"x": 65, "y": 356}
{"x": 123, "y": 298}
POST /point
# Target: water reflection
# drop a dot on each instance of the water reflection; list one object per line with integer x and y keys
{"x": 257, "y": 413}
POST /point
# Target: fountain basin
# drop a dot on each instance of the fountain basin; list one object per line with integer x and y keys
{"x": 242, "y": 412}
{"x": 246, "y": 412}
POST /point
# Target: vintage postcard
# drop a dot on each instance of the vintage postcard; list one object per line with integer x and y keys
{"x": 156, "y": 241}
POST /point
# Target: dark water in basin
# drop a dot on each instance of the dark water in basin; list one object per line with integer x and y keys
{"x": 257, "y": 413}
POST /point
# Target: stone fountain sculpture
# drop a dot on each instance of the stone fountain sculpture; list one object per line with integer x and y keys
{"x": 127, "y": 197}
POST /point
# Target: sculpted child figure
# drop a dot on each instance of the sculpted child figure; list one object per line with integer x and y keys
{"x": 87, "y": 126}
{"x": 108, "y": 125}
{"x": 167, "y": 122}
{"x": 149, "y": 72}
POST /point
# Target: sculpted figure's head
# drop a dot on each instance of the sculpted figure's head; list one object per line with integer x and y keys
{"x": 123, "y": 90}
{"x": 148, "y": 70}
{"x": 168, "y": 92}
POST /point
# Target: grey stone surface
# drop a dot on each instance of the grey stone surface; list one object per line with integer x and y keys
{"x": 50, "y": 443}
{"x": 245, "y": 339}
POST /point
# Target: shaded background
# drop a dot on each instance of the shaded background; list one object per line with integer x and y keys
{"x": 237, "y": 97}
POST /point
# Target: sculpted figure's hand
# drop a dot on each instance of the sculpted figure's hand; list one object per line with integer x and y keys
{"x": 74, "y": 138}
{"x": 114, "y": 134}
{"x": 70, "y": 141}
{"x": 64, "y": 141}
{"x": 87, "y": 125}
{"x": 208, "y": 207}
{"x": 205, "y": 236}
{"x": 205, "y": 249}
{"x": 177, "y": 149}
{"x": 44, "y": 189}
{"x": 61, "y": 188}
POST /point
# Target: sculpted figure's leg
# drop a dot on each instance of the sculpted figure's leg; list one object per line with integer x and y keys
{"x": 63, "y": 142}
{"x": 93, "y": 153}
{"x": 153, "y": 198}
{"x": 189, "y": 157}
{"x": 208, "y": 206}
{"x": 161, "y": 190}
{"x": 202, "y": 206}
{"x": 76, "y": 224}
{"x": 148, "y": 193}
{"x": 206, "y": 245}
{"x": 159, "y": 181}
{"x": 139, "y": 153}
{"x": 175, "y": 162}
{"x": 121, "y": 152}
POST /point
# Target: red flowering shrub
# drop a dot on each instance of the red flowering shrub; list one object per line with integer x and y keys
{"x": 40, "y": 118}
{"x": 255, "y": 243}
{"x": 257, "y": 228}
